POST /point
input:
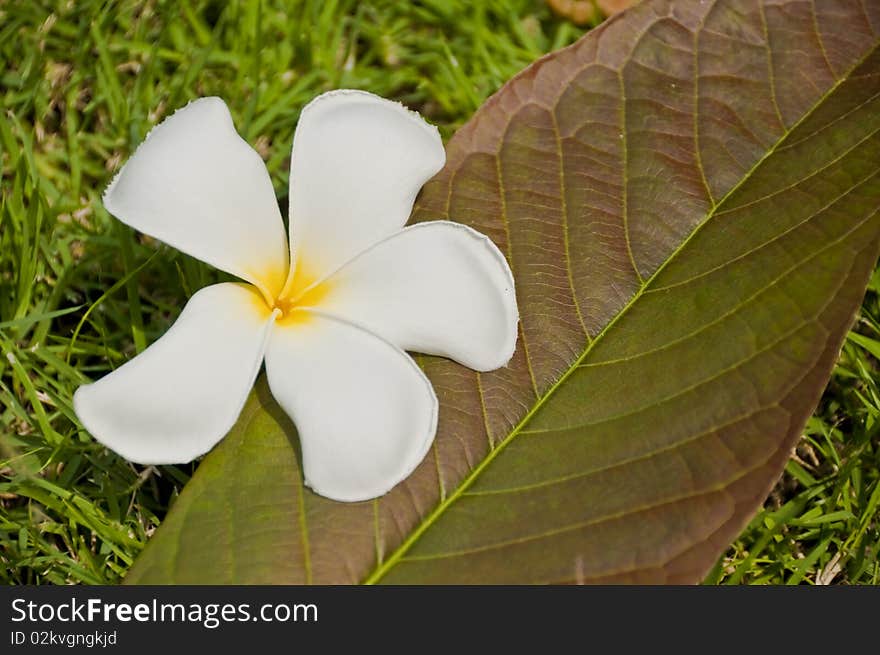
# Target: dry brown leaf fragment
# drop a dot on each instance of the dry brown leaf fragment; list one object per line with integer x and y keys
{"x": 611, "y": 7}
{"x": 582, "y": 12}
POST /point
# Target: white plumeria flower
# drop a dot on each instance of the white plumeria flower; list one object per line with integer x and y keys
{"x": 331, "y": 314}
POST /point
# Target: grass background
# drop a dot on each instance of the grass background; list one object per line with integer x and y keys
{"x": 82, "y": 82}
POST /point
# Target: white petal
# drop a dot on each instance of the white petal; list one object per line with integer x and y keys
{"x": 358, "y": 162}
{"x": 439, "y": 288}
{"x": 365, "y": 412}
{"x": 180, "y": 396}
{"x": 197, "y": 185}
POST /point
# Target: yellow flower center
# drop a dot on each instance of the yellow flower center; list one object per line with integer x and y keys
{"x": 298, "y": 294}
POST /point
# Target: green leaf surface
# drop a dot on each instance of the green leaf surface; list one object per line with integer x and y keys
{"x": 688, "y": 198}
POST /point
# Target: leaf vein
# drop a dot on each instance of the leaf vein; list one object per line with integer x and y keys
{"x": 564, "y": 202}
{"x": 771, "y": 78}
{"x": 502, "y": 194}
{"x": 695, "y": 111}
{"x": 625, "y": 184}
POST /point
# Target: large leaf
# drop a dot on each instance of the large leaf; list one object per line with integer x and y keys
{"x": 689, "y": 201}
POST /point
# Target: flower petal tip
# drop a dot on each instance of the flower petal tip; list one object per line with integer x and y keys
{"x": 365, "y": 411}
{"x": 357, "y": 95}
{"x": 132, "y": 453}
{"x": 173, "y": 402}
{"x": 374, "y": 491}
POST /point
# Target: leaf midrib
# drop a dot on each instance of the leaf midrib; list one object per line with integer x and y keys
{"x": 383, "y": 568}
{"x": 641, "y": 457}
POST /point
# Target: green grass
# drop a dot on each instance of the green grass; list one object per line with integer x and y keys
{"x": 81, "y": 294}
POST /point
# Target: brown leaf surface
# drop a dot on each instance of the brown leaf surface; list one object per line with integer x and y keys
{"x": 688, "y": 198}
